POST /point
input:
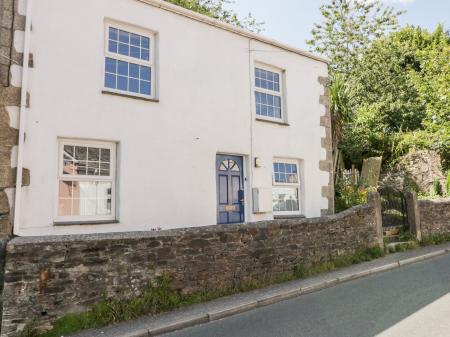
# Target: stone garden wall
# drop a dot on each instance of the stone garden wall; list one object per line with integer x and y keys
{"x": 47, "y": 277}
{"x": 434, "y": 216}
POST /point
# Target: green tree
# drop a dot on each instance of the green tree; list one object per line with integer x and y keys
{"x": 347, "y": 29}
{"x": 400, "y": 89}
{"x": 433, "y": 86}
{"x": 216, "y": 9}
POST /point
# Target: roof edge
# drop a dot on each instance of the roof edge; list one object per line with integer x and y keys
{"x": 225, "y": 26}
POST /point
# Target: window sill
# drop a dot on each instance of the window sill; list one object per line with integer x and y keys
{"x": 107, "y": 92}
{"x": 280, "y": 122}
{"x": 76, "y": 223}
{"x": 279, "y": 217}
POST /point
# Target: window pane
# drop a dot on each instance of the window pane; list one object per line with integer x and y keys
{"x": 145, "y": 54}
{"x": 145, "y": 73}
{"x": 135, "y": 39}
{"x": 134, "y": 70}
{"x": 80, "y": 152}
{"x": 124, "y": 49}
{"x": 113, "y": 33}
{"x": 134, "y": 85}
{"x": 68, "y": 167}
{"x": 145, "y": 88}
{"x": 110, "y": 81}
{"x": 81, "y": 168}
{"x": 122, "y": 68}
{"x": 268, "y": 105}
{"x": 134, "y": 52}
{"x": 105, "y": 155}
{"x": 145, "y": 42}
{"x": 122, "y": 83}
{"x": 285, "y": 199}
{"x": 267, "y": 80}
{"x": 88, "y": 199}
{"x": 69, "y": 151}
{"x": 93, "y": 153}
{"x": 93, "y": 168}
{"x": 112, "y": 48}
{"x": 110, "y": 65}
{"x": 286, "y": 173}
{"x": 129, "y": 44}
{"x": 65, "y": 197}
{"x": 124, "y": 36}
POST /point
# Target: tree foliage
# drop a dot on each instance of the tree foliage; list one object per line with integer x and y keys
{"x": 216, "y": 9}
{"x": 400, "y": 88}
{"x": 347, "y": 29}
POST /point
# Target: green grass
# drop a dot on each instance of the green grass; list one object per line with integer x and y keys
{"x": 159, "y": 297}
{"x": 436, "y": 239}
{"x": 361, "y": 255}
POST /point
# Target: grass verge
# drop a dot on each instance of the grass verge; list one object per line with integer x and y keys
{"x": 435, "y": 239}
{"x": 158, "y": 297}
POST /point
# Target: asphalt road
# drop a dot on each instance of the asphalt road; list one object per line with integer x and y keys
{"x": 405, "y": 302}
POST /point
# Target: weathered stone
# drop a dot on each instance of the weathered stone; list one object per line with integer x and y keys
{"x": 54, "y": 273}
{"x": 326, "y": 165}
{"x": 370, "y": 172}
{"x": 327, "y": 144}
{"x": 5, "y": 225}
{"x": 8, "y": 177}
{"x": 434, "y": 217}
{"x": 4, "y": 203}
{"x": 422, "y": 168}
{"x": 413, "y": 215}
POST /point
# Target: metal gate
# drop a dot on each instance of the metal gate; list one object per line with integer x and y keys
{"x": 393, "y": 207}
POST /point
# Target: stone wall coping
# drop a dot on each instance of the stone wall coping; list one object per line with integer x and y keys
{"x": 117, "y": 236}
{"x": 434, "y": 201}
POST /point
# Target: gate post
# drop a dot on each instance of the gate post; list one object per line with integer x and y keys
{"x": 374, "y": 200}
{"x": 412, "y": 212}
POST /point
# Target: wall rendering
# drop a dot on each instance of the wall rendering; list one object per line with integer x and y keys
{"x": 204, "y": 105}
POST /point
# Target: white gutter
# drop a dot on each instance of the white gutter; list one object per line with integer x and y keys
{"x": 225, "y": 26}
{"x": 22, "y": 119}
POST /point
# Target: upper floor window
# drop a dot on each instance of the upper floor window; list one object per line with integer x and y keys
{"x": 86, "y": 181}
{"x": 286, "y": 187}
{"x": 129, "y": 61}
{"x": 268, "y": 93}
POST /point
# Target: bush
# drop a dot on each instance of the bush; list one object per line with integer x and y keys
{"x": 348, "y": 195}
{"x": 447, "y": 184}
{"x": 437, "y": 187}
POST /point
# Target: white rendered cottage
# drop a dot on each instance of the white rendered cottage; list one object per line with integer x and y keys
{"x": 143, "y": 114}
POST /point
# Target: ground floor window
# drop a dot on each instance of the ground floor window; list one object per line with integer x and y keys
{"x": 86, "y": 181}
{"x": 286, "y": 187}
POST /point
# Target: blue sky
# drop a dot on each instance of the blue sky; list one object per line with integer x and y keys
{"x": 291, "y": 21}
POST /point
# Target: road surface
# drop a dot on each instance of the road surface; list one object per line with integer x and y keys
{"x": 411, "y": 301}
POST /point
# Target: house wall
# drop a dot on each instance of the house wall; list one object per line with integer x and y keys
{"x": 48, "y": 277}
{"x": 166, "y": 149}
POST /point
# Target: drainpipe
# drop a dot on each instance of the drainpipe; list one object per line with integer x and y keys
{"x": 22, "y": 118}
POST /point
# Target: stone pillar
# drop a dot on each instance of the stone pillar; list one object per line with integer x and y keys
{"x": 327, "y": 164}
{"x": 413, "y": 214}
{"x": 375, "y": 201}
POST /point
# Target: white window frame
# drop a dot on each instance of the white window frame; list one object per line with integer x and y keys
{"x": 296, "y": 186}
{"x": 66, "y": 177}
{"x": 150, "y": 63}
{"x": 280, "y": 93}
